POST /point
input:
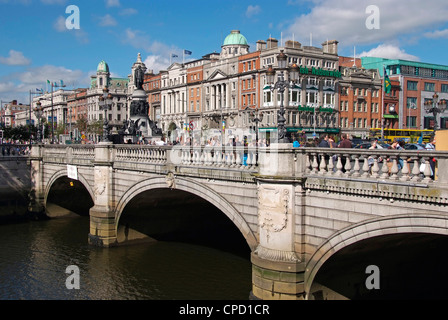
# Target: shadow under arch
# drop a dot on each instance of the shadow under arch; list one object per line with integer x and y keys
{"x": 393, "y": 225}
{"x": 196, "y": 189}
{"x": 82, "y": 182}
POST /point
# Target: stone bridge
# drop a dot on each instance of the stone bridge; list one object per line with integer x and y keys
{"x": 295, "y": 207}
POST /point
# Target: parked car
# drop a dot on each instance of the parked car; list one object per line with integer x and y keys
{"x": 364, "y": 145}
{"x": 367, "y": 145}
{"x": 414, "y": 146}
{"x": 356, "y": 142}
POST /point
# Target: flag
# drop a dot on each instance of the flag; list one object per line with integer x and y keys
{"x": 62, "y": 84}
{"x": 39, "y": 90}
{"x": 387, "y": 84}
{"x": 173, "y": 55}
{"x": 187, "y": 52}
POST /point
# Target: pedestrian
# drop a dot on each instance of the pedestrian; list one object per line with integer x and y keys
{"x": 331, "y": 142}
{"x": 431, "y": 146}
{"x": 324, "y": 141}
{"x": 345, "y": 143}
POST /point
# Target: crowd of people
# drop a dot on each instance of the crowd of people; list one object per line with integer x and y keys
{"x": 15, "y": 148}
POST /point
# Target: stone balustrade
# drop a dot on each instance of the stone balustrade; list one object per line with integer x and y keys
{"x": 378, "y": 164}
{"x": 381, "y": 164}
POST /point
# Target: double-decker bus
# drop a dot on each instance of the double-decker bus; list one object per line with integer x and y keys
{"x": 407, "y": 135}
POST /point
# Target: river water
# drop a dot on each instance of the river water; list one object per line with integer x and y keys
{"x": 34, "y": 256}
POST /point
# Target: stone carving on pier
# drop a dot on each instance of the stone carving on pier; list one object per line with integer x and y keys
{"x": 275, "y": 221}
{"x": 274, "y": 209}
{"x": 170, "y": 180}
{"x": 100, "y": 183}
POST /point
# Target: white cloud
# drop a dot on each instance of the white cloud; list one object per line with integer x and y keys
{"x": 437, "y": 34}
{"x": 252, "y": 10}
{"x": 107, "y": 21}
{"x": 157, "y": 62}
{"x": 345, "y": 20}
{"x": 59, "y": 24}
{"x": 389, "y": 51}
{"x": 17, "y": 85}
{"x": 140, "y": 40}
{"x": 112, "y": 3}
{"x": 80, "y": 35}
{"x": 15, "y": 58}
{"x": 6, "y": 87}
{"x": 128, "y": 12}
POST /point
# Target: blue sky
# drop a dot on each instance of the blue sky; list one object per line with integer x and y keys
{"x": 36, "y": 45}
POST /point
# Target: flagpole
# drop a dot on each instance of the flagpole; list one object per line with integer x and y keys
{"x": 382, "y": 104}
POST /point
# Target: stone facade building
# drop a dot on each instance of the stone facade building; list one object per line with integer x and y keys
{"x": 225, "y": 94}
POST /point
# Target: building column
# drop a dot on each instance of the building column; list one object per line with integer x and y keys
{"x": 277, "y": 270}
{"x": 103, "y": 231}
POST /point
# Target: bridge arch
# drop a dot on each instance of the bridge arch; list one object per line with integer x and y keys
{"x": 420, "y": 223}
{"x": 198, "y": 189}
{"x": 63, "y": 173}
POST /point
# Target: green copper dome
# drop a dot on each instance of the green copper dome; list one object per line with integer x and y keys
{"x": 102, "y": 67}
{"x": 235, "y": 37}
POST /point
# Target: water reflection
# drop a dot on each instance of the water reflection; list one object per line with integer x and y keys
{"x": 34, "y": 257}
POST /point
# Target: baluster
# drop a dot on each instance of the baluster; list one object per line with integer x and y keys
{"x": 249, "y": 158}
{"x": 239, "y": 160}
{"x": 339, "y": 166}
{"x": 416, "y": 170}
{"x": 323, "y": 164}
{"x": 348, "y": 165}
{"x": 427, "y": 171}
{"x": 384, "y": 169}
{"x": 405, "y": 171}
{"x": 356, "y": 167}
{"x": 315, "y": 165}
{"x": 394, "y": 169}
{"x": 330, "y": 165}
{"x": 365, "y": 167}
{"x": 375, "y": 167}
{"x": 307, "y": 163}
{"x": 218, "y": 155}
{"x": 206, "y": 156}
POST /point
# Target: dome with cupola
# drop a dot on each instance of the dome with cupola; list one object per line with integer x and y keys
{"x": 102, "y": 67}
{"x": 235, "y": 37}
{"x": 234, "y": 44}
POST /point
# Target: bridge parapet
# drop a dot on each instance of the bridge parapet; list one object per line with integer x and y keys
{"x": 384, "y": 164}
{"x": 383, "y": 173}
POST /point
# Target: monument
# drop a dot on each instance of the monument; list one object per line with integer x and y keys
{"x": 139, "y": 125}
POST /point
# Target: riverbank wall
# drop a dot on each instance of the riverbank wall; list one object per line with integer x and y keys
{"x": 15, "y": 184}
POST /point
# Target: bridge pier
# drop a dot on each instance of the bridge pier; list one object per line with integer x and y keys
{"x": 36, "y": 207}
{"x": 277, "y": 271}
{"x": 102, "y": 218}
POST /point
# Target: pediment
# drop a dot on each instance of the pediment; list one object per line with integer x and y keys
{"x": 361, "y": 74}
{"x": 174, "y": 65}
{"x": 217, "y": 74}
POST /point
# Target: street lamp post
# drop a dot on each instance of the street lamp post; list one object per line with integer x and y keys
{"x": 256, "y": 119}
{"x": 280, "y": 86}
{"x": 104, "y": 103}
{"x": 435, "y": 106}
{"x": 38, "y": 110}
